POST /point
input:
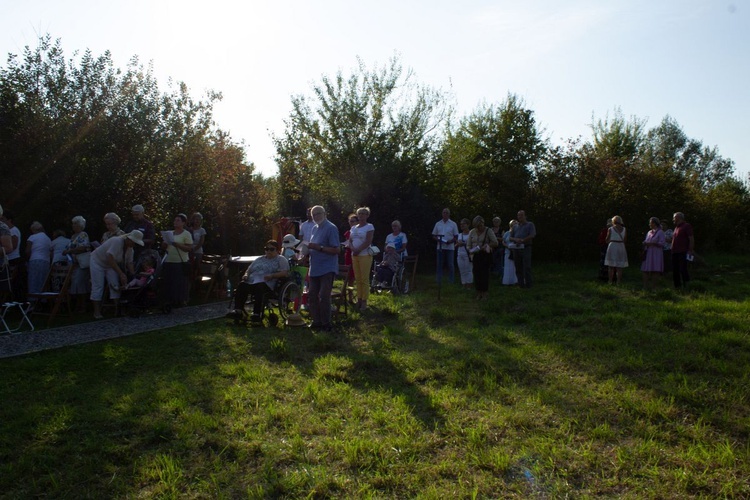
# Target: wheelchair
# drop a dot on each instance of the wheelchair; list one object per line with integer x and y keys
{"x": 280, "y": 302}
{"x": 397, "y": 285}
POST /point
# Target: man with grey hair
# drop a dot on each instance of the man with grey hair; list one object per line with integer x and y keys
{"x": 522, "y": 235}
{"x": 142, "y": 224}
{"x": 683, "y": 243}
{"x": 324, "y": 264}
{"x": 445, "y": 233}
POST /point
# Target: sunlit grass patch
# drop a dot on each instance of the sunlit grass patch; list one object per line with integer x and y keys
{"x": 573, "y": 390}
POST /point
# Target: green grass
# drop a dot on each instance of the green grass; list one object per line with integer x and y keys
{"x": 572, "y": 388}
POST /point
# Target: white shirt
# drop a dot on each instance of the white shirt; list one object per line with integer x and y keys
{"x": 358, "y": 235}
{"x": 114, "y": 247}
{"x": 40, "y": 247}
{"x": 305, "y": 231}
{"x": 58, "y": 245}
{"x": 16, "y": 253}
{"x": 449, "y": 231}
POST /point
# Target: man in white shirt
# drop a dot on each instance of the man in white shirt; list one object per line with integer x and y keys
{"x": 306, "y": 228}
{"x": 445, "y": 233}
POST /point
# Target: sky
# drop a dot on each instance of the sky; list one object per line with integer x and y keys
{"x": 571, "y": 61}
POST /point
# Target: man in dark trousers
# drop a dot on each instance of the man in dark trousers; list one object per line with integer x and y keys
{"x": 683, "y": 244}
{"x": 523, "y": 236}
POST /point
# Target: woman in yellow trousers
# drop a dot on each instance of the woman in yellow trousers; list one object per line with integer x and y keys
{"x": 360, "y": 239}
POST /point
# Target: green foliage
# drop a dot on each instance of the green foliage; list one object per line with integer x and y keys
{"x": 80, "y": 136}
{"x": 487, "y": 160}
{"x": 618, "y": 138}
{"x": 636, "y": 174}
{"x": 365, "y": 139}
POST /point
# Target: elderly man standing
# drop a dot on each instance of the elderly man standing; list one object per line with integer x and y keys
{"x": 522, "y": 235}
{"x": 324, "y": 264}
{"x": 445, "y": 233}
{"x": 142, "y": 224}
{"x": 683, "y": 243}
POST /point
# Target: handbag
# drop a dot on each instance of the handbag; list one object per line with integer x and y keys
{"x": 373, "y": 250}
{"x": 84, "y": 260}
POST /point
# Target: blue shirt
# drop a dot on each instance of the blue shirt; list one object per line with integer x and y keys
{"x": 525, "y": 230}
{"x": 325, "y": 234}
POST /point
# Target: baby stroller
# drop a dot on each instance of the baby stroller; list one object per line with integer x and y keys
{"x": 137, "y": 300}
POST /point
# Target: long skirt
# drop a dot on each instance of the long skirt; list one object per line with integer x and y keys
{"x": 175, "y": 283}
{"x": 38, "y": 271}
{"x": 465, "y": 267}
{"x": 482, "y": 262}
{"x": 80, "y": 281}
{"x": 509, "y": 271}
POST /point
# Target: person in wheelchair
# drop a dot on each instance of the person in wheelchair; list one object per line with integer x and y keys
{"x": 388, "y": 266}
{"x": 259, "y": 280}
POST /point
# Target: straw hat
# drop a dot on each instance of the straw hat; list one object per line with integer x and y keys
{"x": 295, "y": 320}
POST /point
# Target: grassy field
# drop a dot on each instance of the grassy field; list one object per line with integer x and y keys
{"x": 570, "y": 389}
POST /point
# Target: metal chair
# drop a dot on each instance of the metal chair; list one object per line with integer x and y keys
{"x": 55, "y": 292}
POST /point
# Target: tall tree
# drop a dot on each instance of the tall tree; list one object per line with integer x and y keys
{"x": 362, "y": 139}
{"x": 81, "y": 136}
{"x": 487, "y": 159}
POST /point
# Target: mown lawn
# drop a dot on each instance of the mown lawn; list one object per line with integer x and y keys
{"x": 572, "y": 388}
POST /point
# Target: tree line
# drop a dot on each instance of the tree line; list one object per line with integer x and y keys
{"x": 79, "y": 136}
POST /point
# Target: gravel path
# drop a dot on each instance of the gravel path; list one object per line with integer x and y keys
{"x": 27, "y": 342}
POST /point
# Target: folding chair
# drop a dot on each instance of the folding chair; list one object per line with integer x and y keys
{"x": 412, "y": 259}
{"x": 24, "y": 308}
{"x": 210, "y": 270}
{"x": 338, "y": 294}
{"x": 55, "y": 292}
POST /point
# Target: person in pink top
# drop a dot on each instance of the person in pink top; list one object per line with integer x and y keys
{"x": 653, "y": 263}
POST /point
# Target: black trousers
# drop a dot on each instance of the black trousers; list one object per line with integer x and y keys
{"x": 259, "y": 291}
{"x": 481, "y": 263}
{"x": 680, "y": 269}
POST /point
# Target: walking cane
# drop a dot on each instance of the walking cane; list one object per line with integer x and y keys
{"x": 440, "y": 281}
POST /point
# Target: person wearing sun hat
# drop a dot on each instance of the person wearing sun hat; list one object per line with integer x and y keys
{"x": 107, "y": 265}
{"x": 289, "y": 244}
{"x": 386, "y": 269}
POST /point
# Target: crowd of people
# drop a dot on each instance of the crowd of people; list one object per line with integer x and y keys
{"x": 662, "y": 248}
{"x": 120, "y": 259}
{"x": 481, "y": 252}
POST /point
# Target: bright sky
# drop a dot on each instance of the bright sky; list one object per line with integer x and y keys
{"x": 568, "y": 60}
